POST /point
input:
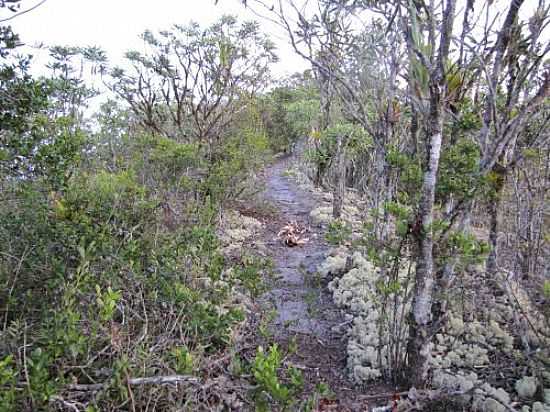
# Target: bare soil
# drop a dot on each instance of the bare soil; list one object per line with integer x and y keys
{"x": 302, "y": 317}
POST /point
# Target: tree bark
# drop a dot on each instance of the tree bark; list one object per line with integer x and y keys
{"x": 495, "y": 202}
{"x": 325, "y": 96}
{"x": 420, "y": 318}
{"x": 340, "y": 181}
{"x": 420, "y": 323}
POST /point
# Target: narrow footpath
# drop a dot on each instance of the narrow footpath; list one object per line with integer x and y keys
{"x": 303, "y": 315}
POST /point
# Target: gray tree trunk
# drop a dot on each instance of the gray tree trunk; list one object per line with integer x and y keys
{"x": 340, "y": 179}
{"x": 420, "y": 319}
{"x": 495, "y": 203}
{"x": 420, "y": 324}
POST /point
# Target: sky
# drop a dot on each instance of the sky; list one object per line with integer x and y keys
{"x": 114, "y": 25}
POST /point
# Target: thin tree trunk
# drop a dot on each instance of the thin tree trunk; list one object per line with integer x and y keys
{"x": 340, "y": 181}
{"x": 420, "y": 319}
{"x": 420, "y": 324}
{"x": 325, "y": 95}
{"x": 494, "y": 206}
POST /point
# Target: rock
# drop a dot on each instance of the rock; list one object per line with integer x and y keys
{"x": 333, "y": 265}
{"x": 526, "y": 387}
{"x": 492, "y": 405}
{"x": 365, "y": 373}
{"x": 321, "y": 215}
{"x": 540, "y": 407}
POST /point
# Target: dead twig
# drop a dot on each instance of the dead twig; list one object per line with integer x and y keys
{"x": 152, "y": 380}
{"x": 74, "y": 406}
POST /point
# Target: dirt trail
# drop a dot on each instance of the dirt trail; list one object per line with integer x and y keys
{"x": 305, "y": 313}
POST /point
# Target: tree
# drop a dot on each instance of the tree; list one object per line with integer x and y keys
{"x": 420, "y": 332}
{"x": 448, "y": 77}
{"x": 21, "y": 97}
{"x": 192, "y": 82}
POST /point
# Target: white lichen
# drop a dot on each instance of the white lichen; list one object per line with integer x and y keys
{"x": 473, "y": 334}
{"x": 540, "y": 407}
{"x": 236, "y": 229}
{"x": 334, "y": 264}
{"x": 526, "y": 387}
{"x": 321, "y": 215}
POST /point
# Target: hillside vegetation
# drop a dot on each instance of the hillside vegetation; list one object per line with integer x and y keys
{"x": 140, "y": 245}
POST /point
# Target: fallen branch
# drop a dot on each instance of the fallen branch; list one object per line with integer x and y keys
{"x": 153, "y": 380}
{"x": 73, "y": 406}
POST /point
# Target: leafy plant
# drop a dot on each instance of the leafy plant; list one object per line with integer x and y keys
{"x": 265, "y": 369}
{"x": 251, "y": 274}
{"x": 107, "y": 302}
{"x": 183, "y": 360}
{"x": 7, "y": 383}
{"x": 42, "y": 387}
{"x": 338, "y": 232}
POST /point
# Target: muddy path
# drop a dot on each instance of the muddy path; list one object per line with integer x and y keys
{"x": 300, "y": 310}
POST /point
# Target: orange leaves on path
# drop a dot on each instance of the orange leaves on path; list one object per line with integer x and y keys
{"x": 292, "y": 234}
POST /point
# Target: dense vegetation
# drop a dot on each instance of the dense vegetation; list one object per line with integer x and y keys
{"x": 110, "y": 262}
{"x": 115, "y": 289}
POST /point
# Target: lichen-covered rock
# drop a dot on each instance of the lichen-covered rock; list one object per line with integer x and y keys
{"x": 365, "y": 373}
{"x": 321, "y": 215}
{"x": 235, "y": 229}
{"x": 357, "y": 292}
{"x": 334, "y": 265}
{"x": 456, "y": 325}
{"x": 354, "y": 289}
{"x": 472, "y": 335}
{"x": 540, "y": 407}
{"x": 351, "y": 211}
{"x": 526, "y": 387}
{"x": 490, "y": 399}
{"x": 492, "y": 405}
{"x": 456, "y": 382}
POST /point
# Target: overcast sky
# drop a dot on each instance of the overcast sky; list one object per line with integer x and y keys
{"x": 114, "y": 25}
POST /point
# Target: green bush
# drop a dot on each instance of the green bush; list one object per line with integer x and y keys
{"x": 271, "y": 389}
{"x": 338, "y": 232}
{"x": 7, "y": 383}
{"x": 458, "y": 170}
{"x": 99, "y": 269}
